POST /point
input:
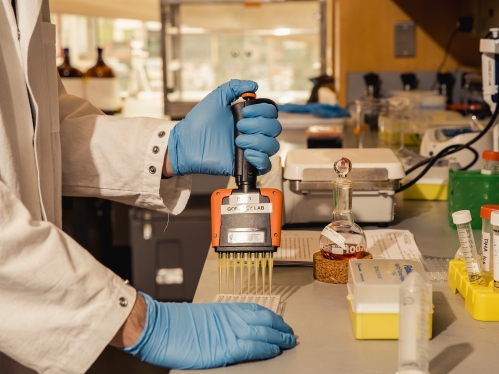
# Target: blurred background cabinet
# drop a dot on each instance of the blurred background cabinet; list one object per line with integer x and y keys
{"x": 280, "y": 44}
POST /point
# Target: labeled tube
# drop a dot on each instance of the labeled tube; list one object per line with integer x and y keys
{"x": 413, "y": 325}
{"x": 462, "y": 219}
{"x": 494, "y": 220}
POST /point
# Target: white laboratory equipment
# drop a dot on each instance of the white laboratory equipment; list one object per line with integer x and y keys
{"x": 490, "y": 75}
{"x": 413, "y": 326}
{"x": 436, "y": 139}
{"x": 462, "y": 219}
{"x": 307, "y": 177}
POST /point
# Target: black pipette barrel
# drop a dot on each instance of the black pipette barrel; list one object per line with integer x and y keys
{"x": 244, "y": 172}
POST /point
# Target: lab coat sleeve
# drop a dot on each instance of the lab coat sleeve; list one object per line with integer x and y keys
{"x": 116, "y": 158}
{"x": 59, "y": 307}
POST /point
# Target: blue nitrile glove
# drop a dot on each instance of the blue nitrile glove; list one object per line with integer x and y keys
{"x": 317, "y": 109}
{"x": 203, "y": 142}
{"x": 200, "y": 336}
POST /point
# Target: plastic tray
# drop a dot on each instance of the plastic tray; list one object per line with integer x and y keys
{"x": 482, "y": 302}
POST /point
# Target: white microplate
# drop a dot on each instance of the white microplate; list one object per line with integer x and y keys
{"x": 272, "y": 302}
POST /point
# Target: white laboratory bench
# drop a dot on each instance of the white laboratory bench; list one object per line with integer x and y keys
{"x": 318, "y": 313}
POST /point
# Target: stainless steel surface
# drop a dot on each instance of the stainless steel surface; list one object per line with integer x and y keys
{"x": 318, "y": 312}
{"x": 357, "y": 174}
{"x": 307, "y": 187}
{"x": 365, "y": 179}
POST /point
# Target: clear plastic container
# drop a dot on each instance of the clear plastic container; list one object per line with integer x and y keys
{"x": 490, "y": 164}
{"x": 374, "y": 285}
{"x": 486, "y": 262}
{"x": 368, "y": 111}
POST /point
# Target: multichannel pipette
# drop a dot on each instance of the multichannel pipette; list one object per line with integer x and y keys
{"x": 245, "y": 223}
{"x": 413, "y": 326}
{"x": 494, "y": 220}
{"x": 462, "y": 219}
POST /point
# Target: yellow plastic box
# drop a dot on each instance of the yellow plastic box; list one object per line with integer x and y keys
{"x": 373, "y": 296}
{"x": 480, "y": 301}
{"x": 379, "y": 326}
{"x": 432, "y": 186}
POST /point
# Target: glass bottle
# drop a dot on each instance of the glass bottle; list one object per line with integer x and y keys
{"x": 102, "y": 87}
{"x": 71, "y": 78}
{"x": 100, "y": 69}
{"x": 342, "y": 239}
{"x": 66, "y": 70}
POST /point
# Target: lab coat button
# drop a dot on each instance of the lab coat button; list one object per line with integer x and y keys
{"x": 152, "y": 169}
{"x": 155, "y": 149}
{"x": 123, "y": 302}
{"x": 161, "y": 134}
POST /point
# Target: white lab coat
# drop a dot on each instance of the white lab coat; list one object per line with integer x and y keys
{"x": 59, "y": 307}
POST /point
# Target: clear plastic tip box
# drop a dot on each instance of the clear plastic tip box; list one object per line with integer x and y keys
{"x": 373, "y": 296}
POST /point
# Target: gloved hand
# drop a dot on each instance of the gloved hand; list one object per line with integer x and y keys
{"x": 203, "y": 142}
{"x": 200, "y": 336}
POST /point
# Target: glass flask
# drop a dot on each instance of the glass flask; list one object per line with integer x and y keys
{"x": 342, "y": 239}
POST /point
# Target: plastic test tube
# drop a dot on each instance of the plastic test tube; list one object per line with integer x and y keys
{"x": 413, "y": 325}
{"x": 462, "y": 219}
{"x": 494, "y": 220}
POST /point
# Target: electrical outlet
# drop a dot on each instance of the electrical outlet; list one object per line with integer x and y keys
{"x": 405, "y": 39}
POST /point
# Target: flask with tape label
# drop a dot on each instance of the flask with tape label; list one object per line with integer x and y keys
{"x": 342, "y": 239}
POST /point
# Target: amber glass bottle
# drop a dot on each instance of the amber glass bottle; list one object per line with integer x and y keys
{"x": 102, "y": 86}
{"x": 66, "y": 70}
{"x": 100, "y": 69}
{"x": 71, "y": 78}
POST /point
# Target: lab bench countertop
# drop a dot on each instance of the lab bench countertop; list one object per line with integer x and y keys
{"x": 318, "y": 313}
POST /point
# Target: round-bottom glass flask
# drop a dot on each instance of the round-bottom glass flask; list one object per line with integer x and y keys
{"x": 342, "y": 239}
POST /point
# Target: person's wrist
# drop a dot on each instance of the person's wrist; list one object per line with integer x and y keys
{"x": 129, "y": 333}
{"x": 167, "y": 167}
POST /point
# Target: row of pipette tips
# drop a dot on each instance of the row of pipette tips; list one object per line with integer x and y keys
{"x": 238, "y": 262}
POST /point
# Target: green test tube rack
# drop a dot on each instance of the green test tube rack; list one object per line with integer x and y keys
{"x": 469, "y": 190}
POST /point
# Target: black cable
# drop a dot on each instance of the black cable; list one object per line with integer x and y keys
{"x": 448, "y": 151}
{"x": 472, "y": 141}
{"x": 434, "y": 159}
{"x": 446, "y": 54}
